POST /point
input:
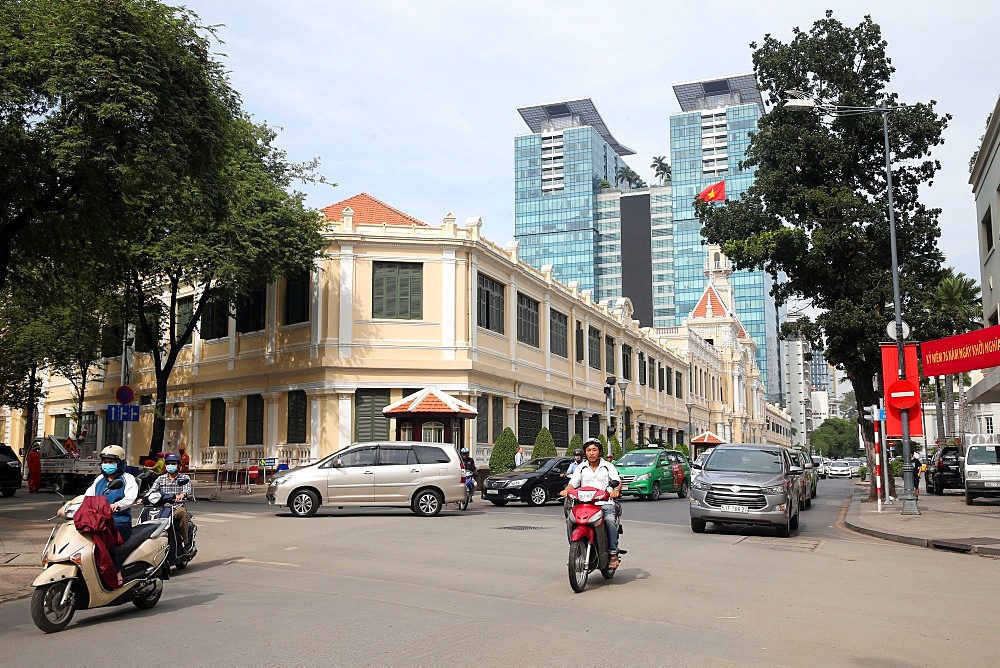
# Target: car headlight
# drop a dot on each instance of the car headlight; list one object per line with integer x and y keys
{"x": 281, "y": 480}
{"x": 970, "y": 474}
{"x": 71, "y": 509}
{"x": 698, "y": 484}
{"x": 516, "y": 483}
{"x": 644, "y": 476}
{"x": 777, "y": 489}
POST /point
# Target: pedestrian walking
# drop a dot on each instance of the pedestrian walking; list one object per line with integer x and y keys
{"x": 917, "y": 464}
{"x": 34, "y": 460}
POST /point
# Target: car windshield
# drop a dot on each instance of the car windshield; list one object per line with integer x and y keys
{"x": 532, "y": 465}
{"x": 839, "y": 465}
{"x": 745, "y": 461}
{"x": 986, "y": 454}
{"x": 637, "y": 459}
{"x": 817, "y": 460}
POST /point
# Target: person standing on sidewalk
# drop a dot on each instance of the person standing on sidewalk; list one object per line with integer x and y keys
{"x": 34, "y": 461}
{"x": 915, "y": 460}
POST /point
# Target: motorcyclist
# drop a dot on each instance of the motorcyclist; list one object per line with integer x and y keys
{"x": 469, "y": 464}
{"x": 167, "y": 484}
{"x": 598, "y": 473}
{"x": 577, "y": 460}
{"x": 121, "y": 500}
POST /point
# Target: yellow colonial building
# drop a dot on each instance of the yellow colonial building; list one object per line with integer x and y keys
{"x": 393, "y": 305}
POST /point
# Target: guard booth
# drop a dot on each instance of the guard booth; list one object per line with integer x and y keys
{"x": 704, "y": 441}
{"x": 431, "y": 416}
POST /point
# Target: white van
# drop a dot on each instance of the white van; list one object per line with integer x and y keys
{"x": 982, "y": 471}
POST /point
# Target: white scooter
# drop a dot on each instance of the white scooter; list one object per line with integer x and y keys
{"x": 70, "y": 579}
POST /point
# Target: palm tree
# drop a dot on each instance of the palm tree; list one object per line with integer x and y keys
{"x": 623, "y": 175}
{"x": 661, "y": 168}
{"x": 959, "y": 299}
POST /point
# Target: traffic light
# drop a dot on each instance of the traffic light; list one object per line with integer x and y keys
{"x": 871, "y": 413}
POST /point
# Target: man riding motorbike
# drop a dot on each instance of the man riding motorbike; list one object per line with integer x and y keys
{"x": 121, "y": 499}
{"x": 598, "y": 473}
{"x": 577, "y": 460}
{"x": 168, "y": 484}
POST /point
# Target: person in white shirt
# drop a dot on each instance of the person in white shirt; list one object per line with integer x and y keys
{"x": 599, "y": 473}
{"x": 575, "y": 464}
{"x": 519, "y": 456}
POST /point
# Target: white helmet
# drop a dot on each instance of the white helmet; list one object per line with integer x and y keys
{"x": 114, "y": 452}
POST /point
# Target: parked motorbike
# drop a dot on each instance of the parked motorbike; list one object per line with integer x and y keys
{"x": 470, "y": 490}
{"x": 588, "y": 539}
{"x": 159, "y": 506}
{"x": 70, "y": 581}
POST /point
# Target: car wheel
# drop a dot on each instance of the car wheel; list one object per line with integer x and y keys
{"x": 969, "y": 498}
{"x": 7, "y": 493}
{"x": 793, "y": 523}
{"x": 783, "y": 530}
{"x": 938, "y": 488}
{"x": 698, "y": 526}
{"x": 427, "y": 503}
{"x": 929, "y": 485}
{"x": 303, "y": 503}
{"x": 654, "y": 494}
{"x": 683, "y": 491}
{"x": 498, "y": 502}
{"x": 537, "y": 496}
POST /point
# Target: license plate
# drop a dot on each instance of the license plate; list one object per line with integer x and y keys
{"x": 991, "y": 484}
{"x": 493, "y": 491}
{"x": 735, "y": 509}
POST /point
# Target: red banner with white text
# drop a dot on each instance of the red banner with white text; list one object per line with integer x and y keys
{"x": 965, "y": 352}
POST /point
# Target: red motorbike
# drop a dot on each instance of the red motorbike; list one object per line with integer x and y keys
{"x": 588, "y": 539}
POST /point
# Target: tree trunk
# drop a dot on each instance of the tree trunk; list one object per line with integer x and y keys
{"x": 866, "y": 395}
{"x": 30, "y": 412}
{"x": 949, "y": 407}
{"x": 160, "y": 410}
{"x": 939, "y": 408}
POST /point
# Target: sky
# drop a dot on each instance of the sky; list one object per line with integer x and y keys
{"x": 415, "y": 101}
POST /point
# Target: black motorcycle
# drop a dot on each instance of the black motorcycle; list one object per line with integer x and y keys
{"x": 157, "y": 505}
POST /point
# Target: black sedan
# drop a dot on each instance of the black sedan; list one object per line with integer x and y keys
{"x": 944, "y": 471}
{"x": 535, "y": 482}
{"x": 10, "y": 471}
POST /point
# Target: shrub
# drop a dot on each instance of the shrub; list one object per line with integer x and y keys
{"x": 616, "y": 449}
{"x": 863, "y": 472}
{"x": 897, "y": 468}
{"x": 544, "y": 445}
{"x": 630, "y": 445}
{"x": 604, "y": 442}
{"x": 502, "y": 457}
{"x": 575, "y": 443}
{"x": 683, "y": 449}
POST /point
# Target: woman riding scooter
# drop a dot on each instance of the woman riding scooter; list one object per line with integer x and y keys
{"x": 119, "y": 498}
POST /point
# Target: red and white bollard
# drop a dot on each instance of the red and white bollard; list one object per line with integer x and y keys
{"x": 878, "y": 469}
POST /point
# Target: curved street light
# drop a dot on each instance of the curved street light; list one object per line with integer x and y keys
{"x": 801, "y": 101}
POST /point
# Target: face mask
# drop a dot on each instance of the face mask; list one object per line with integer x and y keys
{"x": 171, "y": 468}
{"x": 109, "y": 469}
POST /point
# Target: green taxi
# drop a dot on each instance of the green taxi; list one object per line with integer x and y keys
{"x": 649, "y": 472}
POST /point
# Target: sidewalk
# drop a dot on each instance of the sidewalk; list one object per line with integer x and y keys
{"x": 944, "y": 522}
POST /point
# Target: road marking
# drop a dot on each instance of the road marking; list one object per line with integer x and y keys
{"x": 217, "y": 518}
{"x": 262, "y": 563}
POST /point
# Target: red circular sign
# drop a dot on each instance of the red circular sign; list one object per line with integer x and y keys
{"x": 253, "y": 471}
{"x": 902, "y": 394}
{"x": 124, "y": 394}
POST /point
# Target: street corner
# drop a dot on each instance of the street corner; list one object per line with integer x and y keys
{"x": 16, "y": 576}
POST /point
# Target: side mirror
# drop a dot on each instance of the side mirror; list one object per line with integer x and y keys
{"x": 117, "y": 483}
{"x": 614, "y": 484}
{"x": 183, "y": 480}
{"x": 809, "y": 466}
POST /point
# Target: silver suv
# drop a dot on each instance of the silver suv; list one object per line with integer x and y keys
{"x": 405, "y": 474}
{"x": 747, "y": 484}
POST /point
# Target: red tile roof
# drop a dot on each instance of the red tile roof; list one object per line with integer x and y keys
{"x": 709, "y": 298}
{"x": 430, "y": 400}
{"x": 369, "y": 211}
{"x": 708, "y": 437}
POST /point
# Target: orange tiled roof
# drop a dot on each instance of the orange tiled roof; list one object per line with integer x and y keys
{"x": 430, "y": 400}
{"x": 710, "y": 298}
{"x": 708, "y": 437}
{"x": 369, "y": 211}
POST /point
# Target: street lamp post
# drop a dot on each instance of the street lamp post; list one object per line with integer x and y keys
{"x": 690, "y": 406}
{"x": 799, "y": 101}
{"x": 623, "y": 385}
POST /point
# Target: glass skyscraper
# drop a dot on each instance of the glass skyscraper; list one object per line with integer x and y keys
{"x": 708, "y": 140}
{"x": 559, "y": 168}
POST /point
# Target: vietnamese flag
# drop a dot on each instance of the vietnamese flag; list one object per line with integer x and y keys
{"x": 714, "y": 193}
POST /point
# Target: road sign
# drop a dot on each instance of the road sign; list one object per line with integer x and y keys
{"x": 902, "y": 394}
{"x": 124, "y": 394}
{"x": 118, "y": 413}
{"x": 890, "y": 329}
{"x": 267, "y": 462}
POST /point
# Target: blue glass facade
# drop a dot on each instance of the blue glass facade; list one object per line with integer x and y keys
{"x": 707, "y": 146}
{"x": 556, "y": 181}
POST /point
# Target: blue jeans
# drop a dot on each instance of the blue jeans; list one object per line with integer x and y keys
{"x": 611, "y": 526}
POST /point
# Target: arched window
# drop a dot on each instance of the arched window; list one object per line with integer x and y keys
{"x": 432, "y": 432}
{"x": 406, "y": 431}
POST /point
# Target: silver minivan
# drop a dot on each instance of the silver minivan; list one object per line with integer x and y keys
{"x": 405, "y": 474}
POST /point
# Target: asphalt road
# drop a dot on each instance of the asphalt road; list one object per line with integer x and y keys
{"x": 489, "y": 586}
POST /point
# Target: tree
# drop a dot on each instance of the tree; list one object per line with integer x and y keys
{"x": 622, "y": 175}
{"x": 614, "y": 447}
{"x": 835, "y": 438}
{"x": 816, "y": 211}
{"x": 544, "y": 445}
{"x": 25, "y": 335}
{"x": 502, "y": 456}
{"x": 849, "y": 406}
{"x": 107, "y": 107}
{"x": 630, "y": 445}
{"x": 661, "y": 169}
{"x": 224, "y": 237}
{"x": 958, "y": 306}
{"x": 575, "y": 443}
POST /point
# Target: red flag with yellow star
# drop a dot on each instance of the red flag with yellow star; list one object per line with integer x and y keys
{"x": 714, "y": 193}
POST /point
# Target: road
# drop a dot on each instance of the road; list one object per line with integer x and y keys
{"x": 383, "y": 587}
